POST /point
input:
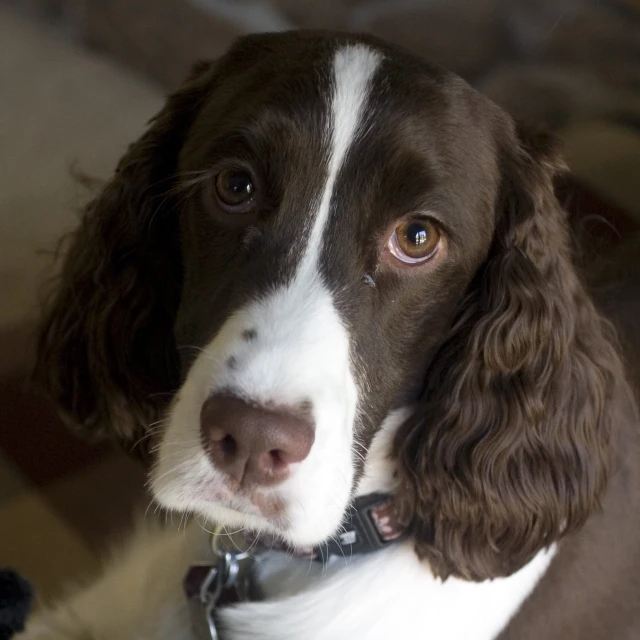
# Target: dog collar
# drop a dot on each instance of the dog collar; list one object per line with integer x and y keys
{"x": 370, "y": 524}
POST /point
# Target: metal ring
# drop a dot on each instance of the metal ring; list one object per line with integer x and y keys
{"x": 206, "y": 593}
{"x": 233, "y": 569}
{"x": 218, "y": 552}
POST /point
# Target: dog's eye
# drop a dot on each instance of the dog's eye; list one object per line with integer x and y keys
{"x": 414, "y": 241}
{"x": 234, "y": 189}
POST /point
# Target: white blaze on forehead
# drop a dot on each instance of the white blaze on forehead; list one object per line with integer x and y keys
{"x": 300, "y": 353}
{"x": 354, "y": 67}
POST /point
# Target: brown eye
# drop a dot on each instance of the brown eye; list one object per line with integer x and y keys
{"x": 414, "y": 241}
{"x": 234, "y": 189}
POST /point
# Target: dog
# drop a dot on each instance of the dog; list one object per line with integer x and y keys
{"x": 329, "y": 271}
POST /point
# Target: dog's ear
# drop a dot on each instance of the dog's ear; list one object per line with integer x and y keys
{"x": 106, "y": 350}
{"x": 510, "y": 447}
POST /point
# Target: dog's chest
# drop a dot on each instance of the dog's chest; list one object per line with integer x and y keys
{"x": 388, "y": 594}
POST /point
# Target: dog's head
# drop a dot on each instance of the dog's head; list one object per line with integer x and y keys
{"x": 314, "y": 231}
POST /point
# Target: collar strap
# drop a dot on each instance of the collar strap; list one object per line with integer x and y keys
{"x": 370, "y": 524}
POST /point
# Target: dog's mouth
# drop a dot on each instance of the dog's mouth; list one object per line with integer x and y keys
{"x": 371, "y": 522}
{"x": 252, "y": 501}
{"x": 258, "y": 522}
{"x": 246, "y": 501}
{"x": 257, "y": 541}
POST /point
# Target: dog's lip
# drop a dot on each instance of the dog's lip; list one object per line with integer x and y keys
{"x": 248, "y": 502}
{"x": 261, "y": 541}
{"x": 275, "y": 535}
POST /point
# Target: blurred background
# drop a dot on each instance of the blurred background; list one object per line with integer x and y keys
{"x": 78, "y": 81}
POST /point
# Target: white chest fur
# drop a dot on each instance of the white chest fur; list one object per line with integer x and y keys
{"x": 389, "y": 594}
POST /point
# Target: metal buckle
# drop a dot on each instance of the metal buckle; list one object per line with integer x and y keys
{"x": 202, "y": 588}
{"x": 206, "y": 586}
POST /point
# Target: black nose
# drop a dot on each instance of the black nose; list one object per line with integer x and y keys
{"x": 252, "y": 444}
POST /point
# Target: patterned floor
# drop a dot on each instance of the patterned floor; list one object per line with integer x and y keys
{"x": 60, "y": 500}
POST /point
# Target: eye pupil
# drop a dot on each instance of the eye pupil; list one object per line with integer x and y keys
{"x": 240, "y": 183}
{"x": 417, "y": 235}
{"x": 234, "y": 187}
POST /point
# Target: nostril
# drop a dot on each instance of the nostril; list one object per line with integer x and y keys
{"x": 228, "y": 446}
{"x": 224, "y": 443}
{"x": 279, "y": 460}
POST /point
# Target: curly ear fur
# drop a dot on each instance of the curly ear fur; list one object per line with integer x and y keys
{"x": 106, "y": 346}
{"x": 511, "y": 445}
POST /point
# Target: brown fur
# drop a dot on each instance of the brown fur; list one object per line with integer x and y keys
{"x": 512, "y": 446}
{"x": 106, "y": 352}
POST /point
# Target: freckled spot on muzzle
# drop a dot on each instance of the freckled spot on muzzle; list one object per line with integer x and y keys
{"x": 249, "y": 335}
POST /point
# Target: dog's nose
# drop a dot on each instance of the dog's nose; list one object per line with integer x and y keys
{"x": 253, "y": 444}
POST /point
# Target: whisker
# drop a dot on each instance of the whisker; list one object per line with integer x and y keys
{"x": 146, "y": 511}
{"x": 203, "y": 527}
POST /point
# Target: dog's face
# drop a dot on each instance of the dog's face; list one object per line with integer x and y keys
{"x": 335, "y": 222}
{"x": 315, "y": 231}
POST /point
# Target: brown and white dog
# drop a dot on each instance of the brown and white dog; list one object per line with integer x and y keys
{"x": 329, "y": 268}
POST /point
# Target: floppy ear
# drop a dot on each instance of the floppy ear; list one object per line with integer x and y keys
{"x": 106, "y": 350}
{"x": 510, "y": 447}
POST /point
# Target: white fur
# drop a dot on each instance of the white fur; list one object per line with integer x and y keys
{"x": 389, "y": 594}
{"x": 386, "y": 595}
{"x": 301, "y": 353}
{"x": 353, "y": 71}
{"x": 285, "y": 366}
{"x": 139, "y": 595}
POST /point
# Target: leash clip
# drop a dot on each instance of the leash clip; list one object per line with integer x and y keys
{"x": 208, "y": 586}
